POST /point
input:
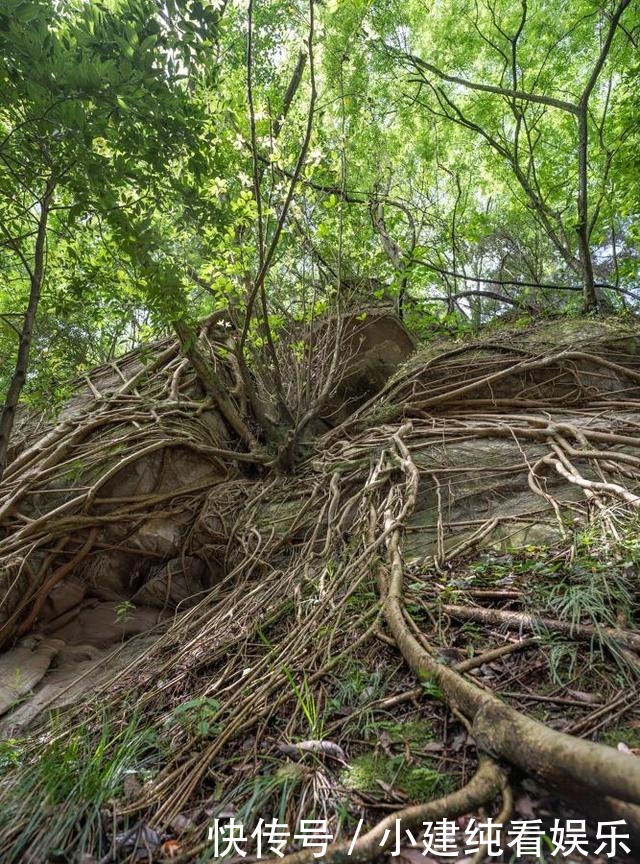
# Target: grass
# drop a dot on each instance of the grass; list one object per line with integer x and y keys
{"x": 595, "y": 588}
{"x": 52, "y": 799}
{"x": 594, "y": 583}
{"x": 630, "y": 737}
{"x": 588, "y": 591}
{"x": 270, "y": 795}
{"x": 356, "y": 685}
{"x": 56, "y": 791}
{"x": 562, "y": 657}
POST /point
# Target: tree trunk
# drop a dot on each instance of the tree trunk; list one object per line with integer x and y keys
{"x": 589, "y": 288}
{"x": 590, "y": 297}
{"x": 22, "y": 363}
{"x": 212, "y": 383}
{"x": 393, "y": 252}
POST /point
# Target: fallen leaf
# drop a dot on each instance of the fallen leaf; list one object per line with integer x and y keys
{"x": 411, "y": 855}
{"x": 582, "y": 696}
{"x": 460, "y": 741}
{"x": 181, "y": 824}
{"x": 558, "y": 723}
{"x": 132, "y": 786}
{"x": 171, "y": 849}
{"x": 328, "y": 748}
{"x": 137, "y": 836}
{"x": 524, "y": 806}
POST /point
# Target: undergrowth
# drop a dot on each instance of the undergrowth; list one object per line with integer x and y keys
{"x": 65, "y": 785}
{"x": 592, "y": 582}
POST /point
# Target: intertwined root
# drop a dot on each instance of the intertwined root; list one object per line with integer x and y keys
{"x": 315, "y": 563}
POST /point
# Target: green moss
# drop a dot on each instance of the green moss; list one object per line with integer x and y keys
{"x": 630, "y": 737}
{"x": 381, "y": 415}
{"x": 374, "y": 771}
{"x": 554, "y": 333}
{"x": 421, "y": 784}
{"x": 415, "y": 732}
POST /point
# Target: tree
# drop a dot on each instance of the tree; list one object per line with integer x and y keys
{"x": 84, "y": 102}
{"x": 520, "y": 141}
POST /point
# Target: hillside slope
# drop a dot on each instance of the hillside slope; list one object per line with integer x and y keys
{"x": 443, "y": 596}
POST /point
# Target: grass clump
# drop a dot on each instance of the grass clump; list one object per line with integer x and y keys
{"x": 51, "y": 797}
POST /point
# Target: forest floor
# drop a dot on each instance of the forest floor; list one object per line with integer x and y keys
{"x": 434, "y": 619}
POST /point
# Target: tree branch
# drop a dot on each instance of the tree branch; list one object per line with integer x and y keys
{"x": 422, "y": 66}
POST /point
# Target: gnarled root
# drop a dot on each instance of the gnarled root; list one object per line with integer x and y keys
{"x": 483, "y": 787}
{"x": 574, "y": 768}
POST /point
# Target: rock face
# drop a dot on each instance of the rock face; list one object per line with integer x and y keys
{"x": 376, "y": 346}
{"x": 144, "y": 561}
{"x": 492, "y": 420}
{"x": 511, "y": 415}
{"x": 23, "y": 667}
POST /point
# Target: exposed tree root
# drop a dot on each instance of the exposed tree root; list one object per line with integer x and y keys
{"x": 570, "y": 765}
{"x": 522, "y": 621}
{"x": 294, "y": 605}
{"x": 483, "y": 787}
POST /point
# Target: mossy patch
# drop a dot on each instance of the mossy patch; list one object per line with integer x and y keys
{"x": 416, "y": 733}
{"x": 375, "y": 771}
{"x": 630, "y": 737}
